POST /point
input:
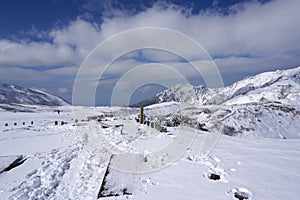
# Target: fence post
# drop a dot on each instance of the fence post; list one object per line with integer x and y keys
{"x": 141, "y": 115}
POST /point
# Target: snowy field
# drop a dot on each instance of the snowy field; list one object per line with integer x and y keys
{"x": 69, "y": 161}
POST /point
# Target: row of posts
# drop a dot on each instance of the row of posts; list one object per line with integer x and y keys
{"x": 149, "y": 123}
{"x": 31, "y": 123}
{"x": 23, "y": 123}
{"x": 61, "y": 123}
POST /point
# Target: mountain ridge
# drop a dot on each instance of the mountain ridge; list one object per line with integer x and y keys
{"x": 13, "y": 94}
{"x": 281, "y": 86}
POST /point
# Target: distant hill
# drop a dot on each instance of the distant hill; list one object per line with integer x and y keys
{"x": 280, "y": 86}
{"x": 12, "y": 94}
{"x": 147, "y": 102}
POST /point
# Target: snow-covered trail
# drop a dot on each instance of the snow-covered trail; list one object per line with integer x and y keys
{"x": 63, "y": 162}
{"x": 83, "y": 179}
{"x": 48, "y": 148}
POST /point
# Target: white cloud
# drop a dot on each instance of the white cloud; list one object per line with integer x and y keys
{"x": 35, "y": 54}
{"x": 254, "y": 29}
{"x": 79, "y": 34}
{"x": 268, "y": 31}
{"x": 69, "y": 45}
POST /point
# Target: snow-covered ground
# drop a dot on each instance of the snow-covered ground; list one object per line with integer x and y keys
{"x": 266, "y": 168}
{"x": 69, "y": 161}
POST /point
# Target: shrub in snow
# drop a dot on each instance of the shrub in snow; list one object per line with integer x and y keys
{"x": 172, "y": 121}
{"x": 228, "y": 130}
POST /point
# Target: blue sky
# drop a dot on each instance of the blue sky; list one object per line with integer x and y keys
{"x": 18, "y": 17}
{"x": 43, "y": 43}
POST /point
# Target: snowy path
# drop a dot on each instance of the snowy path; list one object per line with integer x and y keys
{"x": 87, "y": 169}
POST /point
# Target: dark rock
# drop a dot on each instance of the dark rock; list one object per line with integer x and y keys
{"x": 214, "y": 177}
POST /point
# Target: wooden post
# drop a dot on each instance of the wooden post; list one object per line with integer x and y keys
{"x": 142, "y": 115}
{"x": 152, "y": 124}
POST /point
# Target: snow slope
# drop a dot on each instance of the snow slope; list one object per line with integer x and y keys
{"x": 11, "y": 94}
{"x": 282, "y": 86}
{"x": 265, "y": 105}
{"x": 257, "y": 120}
{"x": 262, "y": 169}
{"x": 69, "y": 161}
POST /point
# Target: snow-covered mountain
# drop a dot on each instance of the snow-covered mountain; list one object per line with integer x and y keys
{"x": 12, "y": 94}
{"x": 265, "y": 105}
{"x": 281, "y": 86}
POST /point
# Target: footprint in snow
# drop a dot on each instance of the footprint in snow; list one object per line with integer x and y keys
{"x": 31, "y": 173}
{"x": 191, "y": 158}
{"x": 232, "y": 169}
{"x": 216, "y": 174}
{"x": 238, "y": 162}
{"x": 240, "y": 193}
